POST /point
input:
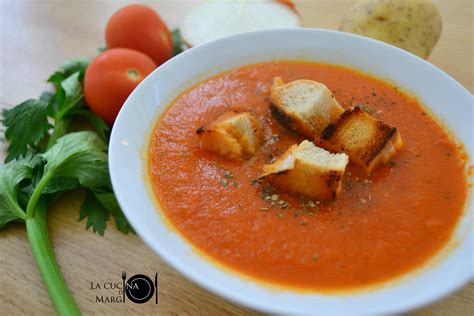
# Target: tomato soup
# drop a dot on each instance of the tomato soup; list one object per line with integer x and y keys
{"x": 382, "y": 225}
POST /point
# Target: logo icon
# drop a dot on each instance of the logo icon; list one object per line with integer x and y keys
{"x": 139, "y": 288}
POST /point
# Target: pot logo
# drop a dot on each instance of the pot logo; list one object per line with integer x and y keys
{"x": 140, "y": 288}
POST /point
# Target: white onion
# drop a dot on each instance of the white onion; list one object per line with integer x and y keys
{"x": 218, "y": 18}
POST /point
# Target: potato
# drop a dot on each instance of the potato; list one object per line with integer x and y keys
{"x": 414, "y": 25}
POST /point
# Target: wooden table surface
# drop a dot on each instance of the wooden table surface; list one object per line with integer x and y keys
{"x": 36, "y": 36}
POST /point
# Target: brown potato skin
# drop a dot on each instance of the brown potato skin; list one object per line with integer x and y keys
{"x": 414, "y": 26}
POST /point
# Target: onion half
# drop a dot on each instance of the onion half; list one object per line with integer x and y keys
{"x": 219, "y": 18}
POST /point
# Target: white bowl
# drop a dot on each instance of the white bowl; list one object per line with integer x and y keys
{"x": 447, "y": 99}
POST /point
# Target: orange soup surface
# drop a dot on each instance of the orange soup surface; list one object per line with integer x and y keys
{"x": 381, "y": 226}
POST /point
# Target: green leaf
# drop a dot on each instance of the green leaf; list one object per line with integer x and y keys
{"x": 97, "y": 215}
{"x": 72, "y": 88}
{"x": 11, "y": 174}
{"x": 69, "y": 94}
{"x": 68, "y": 83}
{"x": 177, "y": 42}
{"x": 97, "y": 207}
{"x": 109, "y": 202}
{"x": 26, "y": 124}
{"x": 50, "y": 99}
{"x": 101, "y": 128}
{"x": 60, "y": 184}
{"x": 56, "y": 79}
{"x": 80, "y": 155}
{"x": 74, "y": 65}
{"x": 46, "y": 97}
{"x": 101, "y": 49}
{"x": 69, "y": 68}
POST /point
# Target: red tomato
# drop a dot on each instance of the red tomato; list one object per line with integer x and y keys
{"x": 111, "y": 77}
{"x": 139, "y": 27}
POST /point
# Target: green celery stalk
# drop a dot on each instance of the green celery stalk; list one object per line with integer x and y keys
{"x": 43, "y": 253}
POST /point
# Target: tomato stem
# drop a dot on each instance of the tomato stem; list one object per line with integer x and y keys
{"x": 133, "y": 74}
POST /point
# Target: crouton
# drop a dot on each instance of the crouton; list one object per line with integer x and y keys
{"x": 308, "y": 171}
{"x": 304, "y": 106}
{"x": 368, "y": 142}
{"x": 233, "y": 135}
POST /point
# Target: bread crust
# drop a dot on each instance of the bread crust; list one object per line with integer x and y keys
{"x": 379, "y": 147}
{"x": 291, "y": 121}
{"x": 233, "y": 135}
{"x": 308, "y": 124}
{"x": 290, "y": 174}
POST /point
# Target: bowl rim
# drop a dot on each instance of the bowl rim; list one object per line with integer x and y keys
{"x": 229, "y": 294}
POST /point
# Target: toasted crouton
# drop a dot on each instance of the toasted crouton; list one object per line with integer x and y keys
{"x": 309, "y": 171}
{"x": 234, "y": 135}
{"x": 367, "y": 141}
{"x": 304, "y": 106}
